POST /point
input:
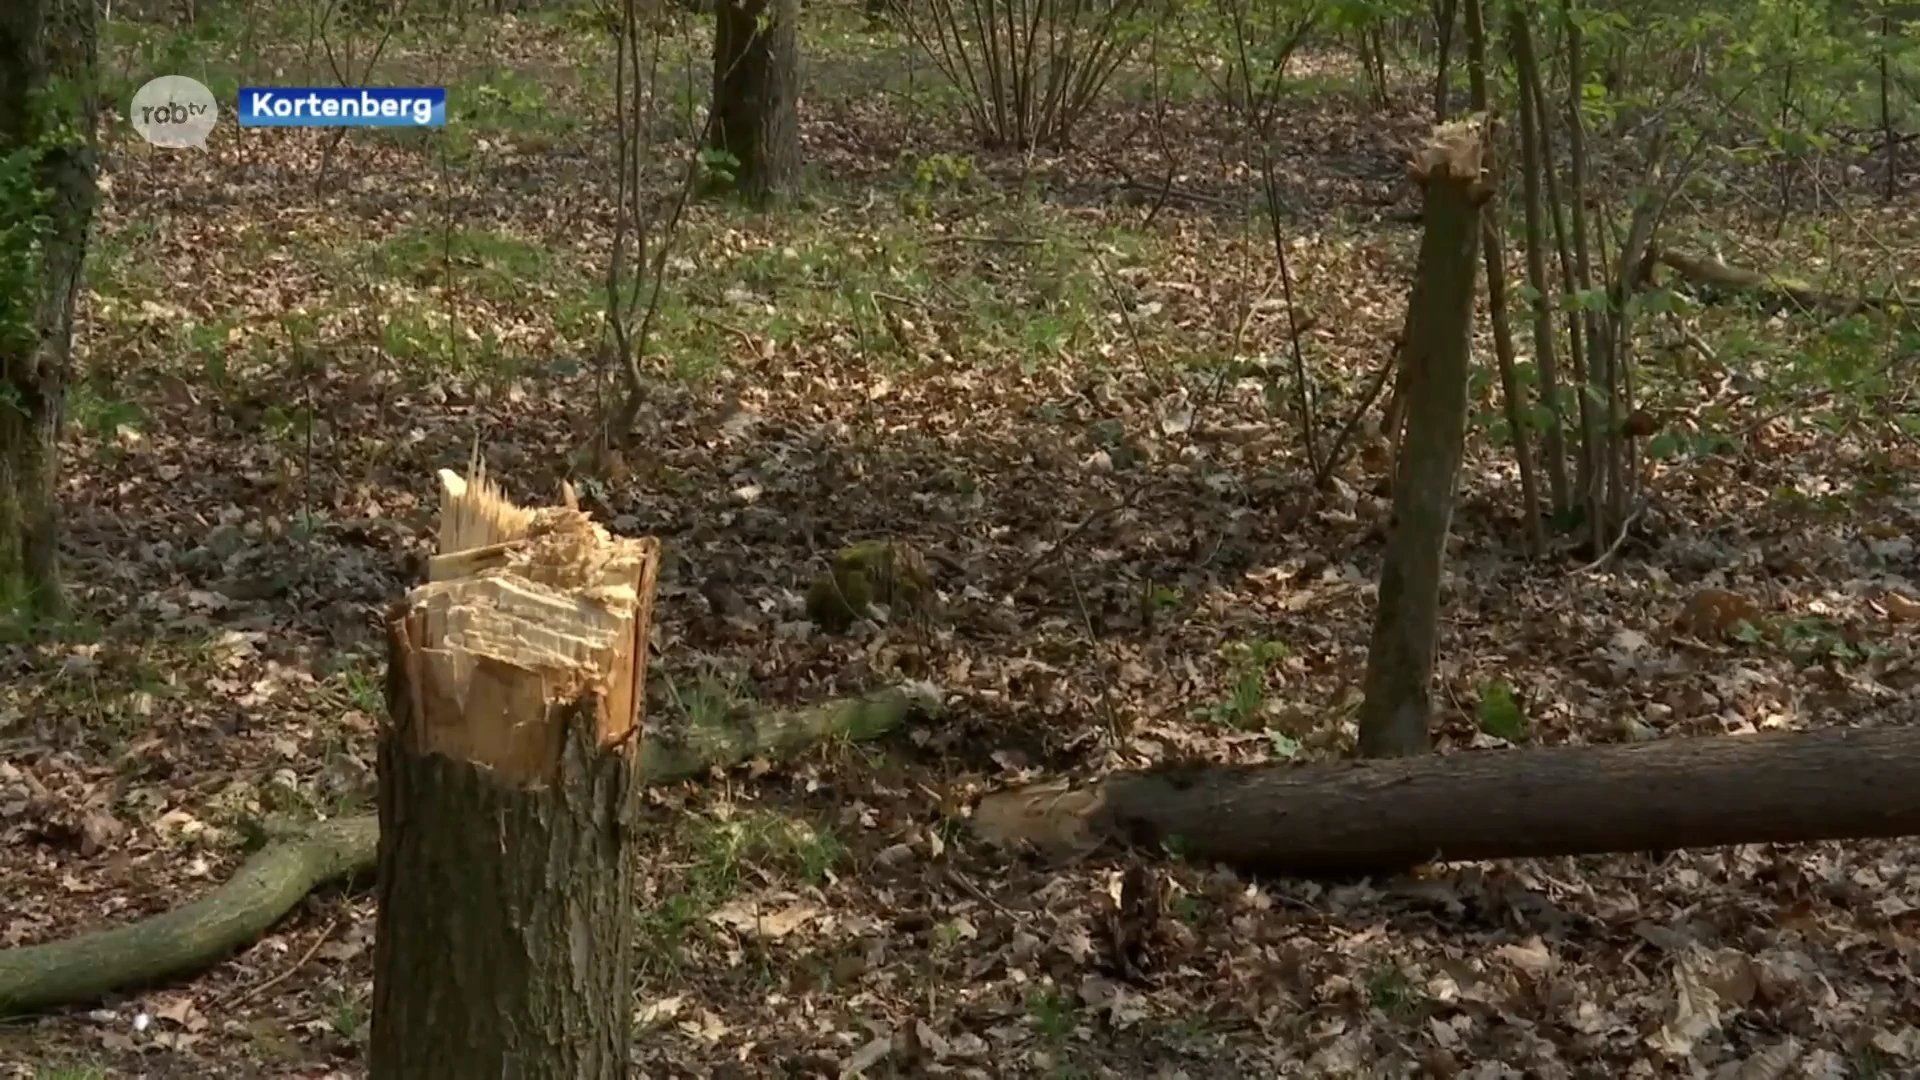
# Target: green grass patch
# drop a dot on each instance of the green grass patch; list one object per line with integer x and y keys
{"x": 121, "y": 263}
{"x": 1021, "y": 288}
{"x": 493, "y": 264}
{"x": 724, "y": 852}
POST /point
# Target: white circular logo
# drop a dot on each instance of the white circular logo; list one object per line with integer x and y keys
{"x": 174, "y": 111}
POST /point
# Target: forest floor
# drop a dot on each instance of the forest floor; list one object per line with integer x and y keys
{"x": 1023, "y": 365}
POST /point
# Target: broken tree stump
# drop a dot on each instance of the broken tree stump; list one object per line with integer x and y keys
{"x": 508, "y": 770}
{"x": 1452, "y": 172}
{"x": 1390, "y": 815}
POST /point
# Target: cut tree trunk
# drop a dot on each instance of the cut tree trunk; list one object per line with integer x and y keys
{"x": 47, "y": 122}
{"x": 1392, "y": 815}
{"x": 267, "y": 886}
{"x": 756, "y": 95}
{"x": 509, "y": 769}
{"x": 1452, "y": 171}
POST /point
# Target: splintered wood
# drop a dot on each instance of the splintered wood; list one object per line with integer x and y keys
{"x": 525, "y": 611}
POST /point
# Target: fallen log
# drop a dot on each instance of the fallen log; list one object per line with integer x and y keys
{"x": 1777, "y": 289}
{"x": 1390, "y": 815}
{"x": 196, "y": 936}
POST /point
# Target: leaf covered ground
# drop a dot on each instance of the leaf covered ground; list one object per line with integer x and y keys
{"x": 1082, "y": 402}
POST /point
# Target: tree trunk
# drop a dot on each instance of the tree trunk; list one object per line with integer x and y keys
{"x": 1531, "y": 87}
{"x": 1493, "y": 250}
{"x": 756, "y": 95}
{"x": 47, "y": 111}
{"x": 508, "y": 774}
{"x": 1532, "y": 164}
{"x": 1593, "y": 438}
{"x": 1443, "y": 20}
{"x": 1888, "y": 132}
{"x": 79, "y": 969}
{"x": 1388, "y": 816}
{"x": 1778, "y": 292}
{"x": 1451, "y": 170}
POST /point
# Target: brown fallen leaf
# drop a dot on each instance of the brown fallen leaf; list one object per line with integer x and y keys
{"x": 1901, "y": 608}
{"x": 1712, "y": 614}
{"x": 99, "y": 831}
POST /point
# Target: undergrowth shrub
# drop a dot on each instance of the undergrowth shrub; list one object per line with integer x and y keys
{"x": 1029, "y": 71}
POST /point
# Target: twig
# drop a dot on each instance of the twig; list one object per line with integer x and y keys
{"x": 1336, "y": 454}
{"x": 325, "y": 933}
{"x": 960, "y": 881}
{"x": 1625, "y": 528}
{"x": 1166, "y": 192}
{"x": 1074, "y": 534}
{"x": 746, "y": 339}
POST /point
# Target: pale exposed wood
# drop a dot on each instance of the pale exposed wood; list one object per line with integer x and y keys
{"x": 524, "y": 610}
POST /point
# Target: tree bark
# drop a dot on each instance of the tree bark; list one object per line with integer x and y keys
{"x": 756, "y": 95}
{"x": 1588, "y": 323}
{"x": 47, "y": 121}
{"x": 509, "y": 770}
{"x": 1391, "y": 815}
{"x": 1531, "y": 88}
{"x": 1451, "y": 169}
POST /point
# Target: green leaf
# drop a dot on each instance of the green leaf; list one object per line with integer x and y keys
{"x": 1500, "y": 713}
{"x": 1285, "y": 747}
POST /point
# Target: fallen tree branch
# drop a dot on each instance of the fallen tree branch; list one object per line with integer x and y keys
{"x": 191, "y": 938}
{"x": 188, "y": 938}
{"x": 1706, "y": 270}
{"x": 785, "y": 733}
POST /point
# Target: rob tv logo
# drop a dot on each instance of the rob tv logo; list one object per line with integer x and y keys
{"x": 174, "y": 111}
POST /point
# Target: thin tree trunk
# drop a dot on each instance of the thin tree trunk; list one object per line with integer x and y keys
{"x": 1451, "y": 170}
{"x": 1385, "y": 816}
{"x": 1887, "y": 130}
{"x": 756, "y": 95}
{"x": 1576, "y": 338}
{"x": 1592, "y": 496}
{"x": 1532, "y": 163}
{"x": 1443, "y": 19}
{"x": 47, "y": 120}
{"x": 1493, "y": 249}
{"x": 190, "y": 938}
{"x": 1787, "y": 156}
